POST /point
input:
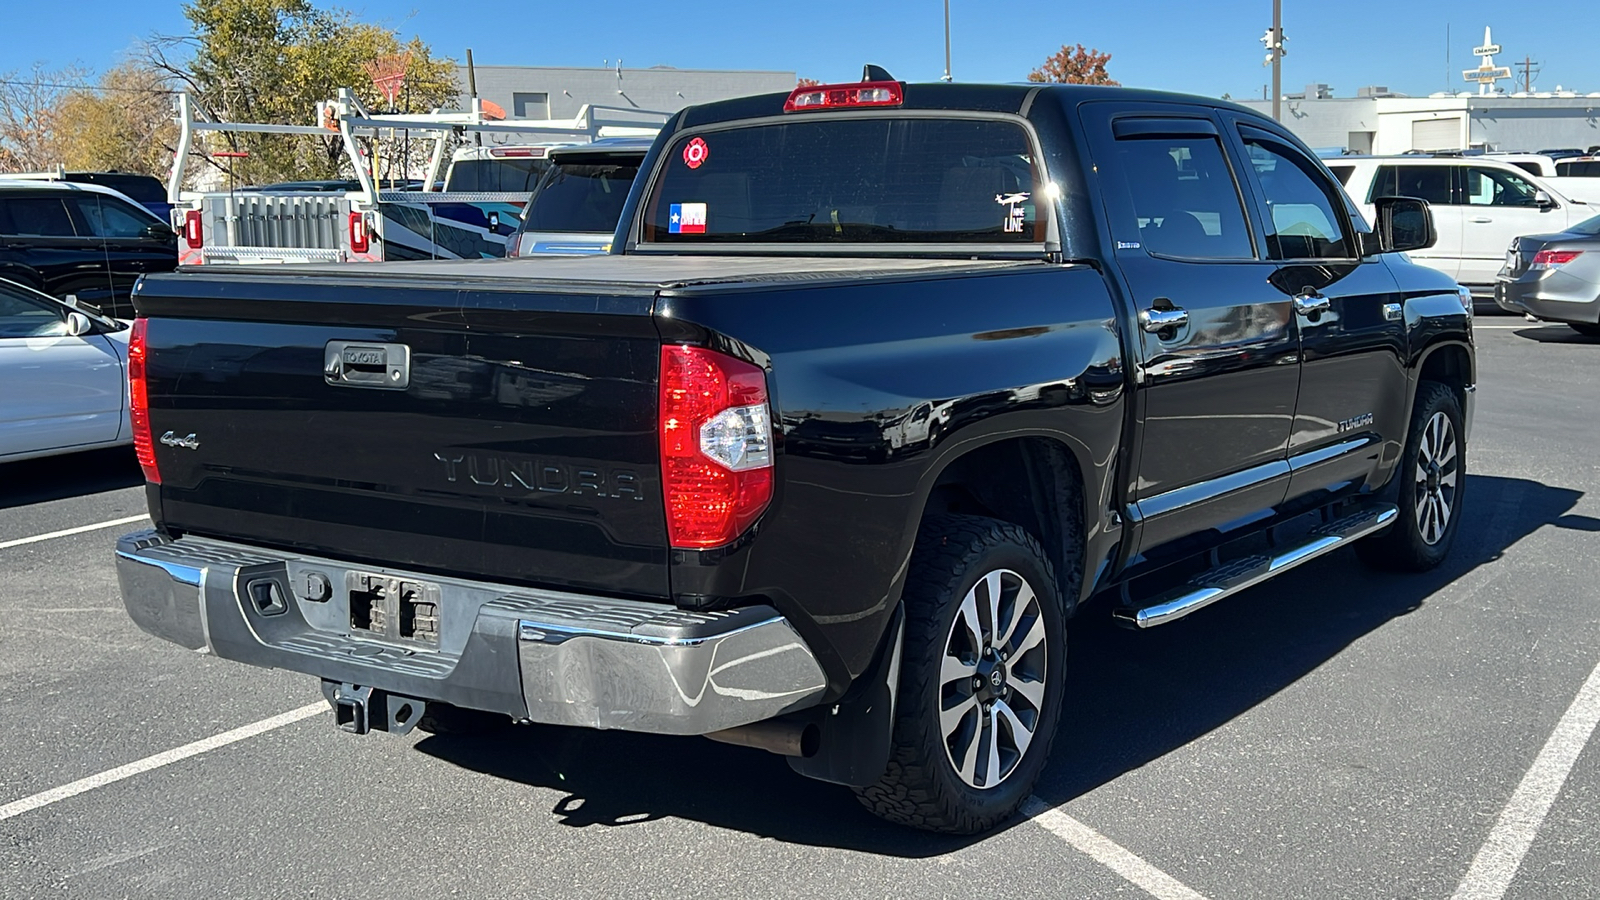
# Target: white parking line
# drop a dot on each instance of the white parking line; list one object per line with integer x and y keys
{"x": 1501, "y": 855}
{"x": 165, "y": 758}
{"x": 68, "y": 532}
{"x": 1108, "y": 853}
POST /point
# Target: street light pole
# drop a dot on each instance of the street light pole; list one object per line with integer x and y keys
{"x": 1277, "y": 60}
{"x": 946, "y": 76}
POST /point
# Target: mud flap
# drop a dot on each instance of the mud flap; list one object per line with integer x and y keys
{"x": 858, "y": 731}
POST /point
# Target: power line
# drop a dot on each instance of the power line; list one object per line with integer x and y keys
{"x": 86, "y": 87}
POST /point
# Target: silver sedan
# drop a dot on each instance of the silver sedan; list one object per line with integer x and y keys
{"x": 63, "y": 377}
{"x": 1555, "y": 277}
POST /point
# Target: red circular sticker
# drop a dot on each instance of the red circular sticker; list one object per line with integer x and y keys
{"x": 695, "y": 153}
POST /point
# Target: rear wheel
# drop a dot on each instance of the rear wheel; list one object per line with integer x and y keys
{"x": 981, "y": 678}
{"x": 1585, "y": 329}
{"x": 1431, "y": 477}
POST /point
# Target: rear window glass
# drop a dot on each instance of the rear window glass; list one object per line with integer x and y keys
{"x": 581, "y": 197}
{"x": 516, "y": 175}
{"x": 1584, "y": 169}
{"x": 142, "y": 188}
{"x": 832, "y": 180}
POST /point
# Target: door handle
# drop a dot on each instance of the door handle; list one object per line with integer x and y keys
{"x": 1480, "y": 220}
{"x": 1311, "y": 304}
{"x": 1156, "y": 320}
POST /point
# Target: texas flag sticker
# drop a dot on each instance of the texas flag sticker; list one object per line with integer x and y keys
{"x": 688, "y": 218}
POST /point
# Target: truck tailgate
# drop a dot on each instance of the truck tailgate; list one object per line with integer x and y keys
{"x": 495, "y": 429}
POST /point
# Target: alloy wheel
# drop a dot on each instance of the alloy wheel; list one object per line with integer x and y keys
{"x": 992, "y": 679}
{"x": 1438, "y": 466}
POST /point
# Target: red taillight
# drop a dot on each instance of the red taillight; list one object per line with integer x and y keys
{"x": 194, "y": 232}
{"x": 716, "y": 446}
{"x": 1554, "y": 259}
{"x": 839, "y": 96}
{"x": 139, "y": 404}
{"x": 358, "y": 232}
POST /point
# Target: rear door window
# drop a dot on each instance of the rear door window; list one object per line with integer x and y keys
{"x": 1185, "y": 197}
{"x": 1430, "y": 183}
{"x": 850, "y": 180}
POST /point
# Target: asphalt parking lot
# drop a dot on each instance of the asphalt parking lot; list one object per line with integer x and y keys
{"x": 1335, "y": 733}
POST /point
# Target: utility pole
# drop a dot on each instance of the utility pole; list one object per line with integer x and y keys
{"x": 1277, "y": 60}
{"x": 946, "y": 76}
{"x": 1529, "y": 69}
{"x": 1274, "y": 40}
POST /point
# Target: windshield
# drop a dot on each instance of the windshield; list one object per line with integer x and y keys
{"x": 496, "y": 175}
{"x": 849, "y": 180}
{"x": 581, "y": 196}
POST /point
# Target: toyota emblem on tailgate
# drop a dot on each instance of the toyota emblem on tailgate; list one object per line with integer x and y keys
{"x": 384, "y": 367}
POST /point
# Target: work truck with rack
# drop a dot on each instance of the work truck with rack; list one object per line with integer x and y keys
{"x": 880, "y": 385}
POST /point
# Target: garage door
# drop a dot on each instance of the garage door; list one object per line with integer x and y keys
{"x": 1436, "y": 134}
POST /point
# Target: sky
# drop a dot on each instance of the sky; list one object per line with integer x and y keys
{"x": 1209, "y": 48}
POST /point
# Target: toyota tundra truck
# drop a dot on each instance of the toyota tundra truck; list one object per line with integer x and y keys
{"x": 880, "y": 385}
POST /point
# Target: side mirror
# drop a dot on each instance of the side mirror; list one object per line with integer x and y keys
{"x": 1544, "y": 201}
{"x": 159, "y": 232}
{"x": 1404, "y": 223}
{"x": 78, "y": 324}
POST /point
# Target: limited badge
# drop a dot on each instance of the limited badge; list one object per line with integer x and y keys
{"x": 695, "y": 153}
{"x": 687, "y": 218}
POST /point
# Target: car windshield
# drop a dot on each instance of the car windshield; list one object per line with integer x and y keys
{"x": 819, "y": 179}
{"x": 582, "y": 194}
{"x": 495, "y": 175}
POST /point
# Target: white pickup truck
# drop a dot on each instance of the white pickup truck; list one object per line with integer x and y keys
{"x": 1479, "y": 205}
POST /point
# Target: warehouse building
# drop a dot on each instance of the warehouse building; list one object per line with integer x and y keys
{"x": 1379, "y": 121}
{"x": 549, "y": 92}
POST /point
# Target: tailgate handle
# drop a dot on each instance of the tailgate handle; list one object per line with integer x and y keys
{"x": 364, "y": 364}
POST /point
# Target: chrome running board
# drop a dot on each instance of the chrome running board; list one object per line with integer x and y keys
{"x": 1232, "y": 577}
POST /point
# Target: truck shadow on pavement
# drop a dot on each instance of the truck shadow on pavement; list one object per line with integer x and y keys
{"x": 1554, "y": 334}
{"x": 69, "y": 475}
{"x": 1135, "y": 696}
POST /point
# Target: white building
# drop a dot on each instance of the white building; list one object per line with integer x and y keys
{"x": 550, "y": 92}
{"x": 1377, "y": 121}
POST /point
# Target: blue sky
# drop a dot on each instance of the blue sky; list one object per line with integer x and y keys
{"x": 1198, "y": 47}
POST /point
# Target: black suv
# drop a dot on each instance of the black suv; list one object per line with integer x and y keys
{"x": 81, "y": 239}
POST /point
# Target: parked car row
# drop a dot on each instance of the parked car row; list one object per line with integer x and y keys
{"x": 1502, "y": 232}
{"x": 80, "y": 240}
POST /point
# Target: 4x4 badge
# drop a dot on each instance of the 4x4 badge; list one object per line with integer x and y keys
{"x": 187, "y": 443}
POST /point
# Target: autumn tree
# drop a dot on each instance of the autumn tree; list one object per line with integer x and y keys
{"x": 125, "y": 124}
{"x": 807, "y": 82}
{"x": 273, "y": 60}
{"x": 29, "y": 104}
{"x": 1074, "y": 65}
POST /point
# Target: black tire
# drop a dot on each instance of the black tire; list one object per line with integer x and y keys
{"x": 442, "y": 718}
{"x": 923, "y": 786}
{"x": 1417, "y": 542}
{"x": 1585, "y": 329}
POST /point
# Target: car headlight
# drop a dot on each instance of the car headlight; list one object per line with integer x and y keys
{"x": 1466, "y": 299}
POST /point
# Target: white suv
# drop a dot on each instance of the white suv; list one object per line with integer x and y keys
{"x": 1479, "y": 204}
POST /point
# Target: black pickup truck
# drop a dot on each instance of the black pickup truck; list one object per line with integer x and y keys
{"x": 881, "y": 384}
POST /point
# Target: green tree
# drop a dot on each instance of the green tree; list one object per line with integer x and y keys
{"x": 1074, "y": 65}
{"x": 274, "y": 60}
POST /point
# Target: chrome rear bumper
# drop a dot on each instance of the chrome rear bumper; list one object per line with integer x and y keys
{"x": 545, "y": 656}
